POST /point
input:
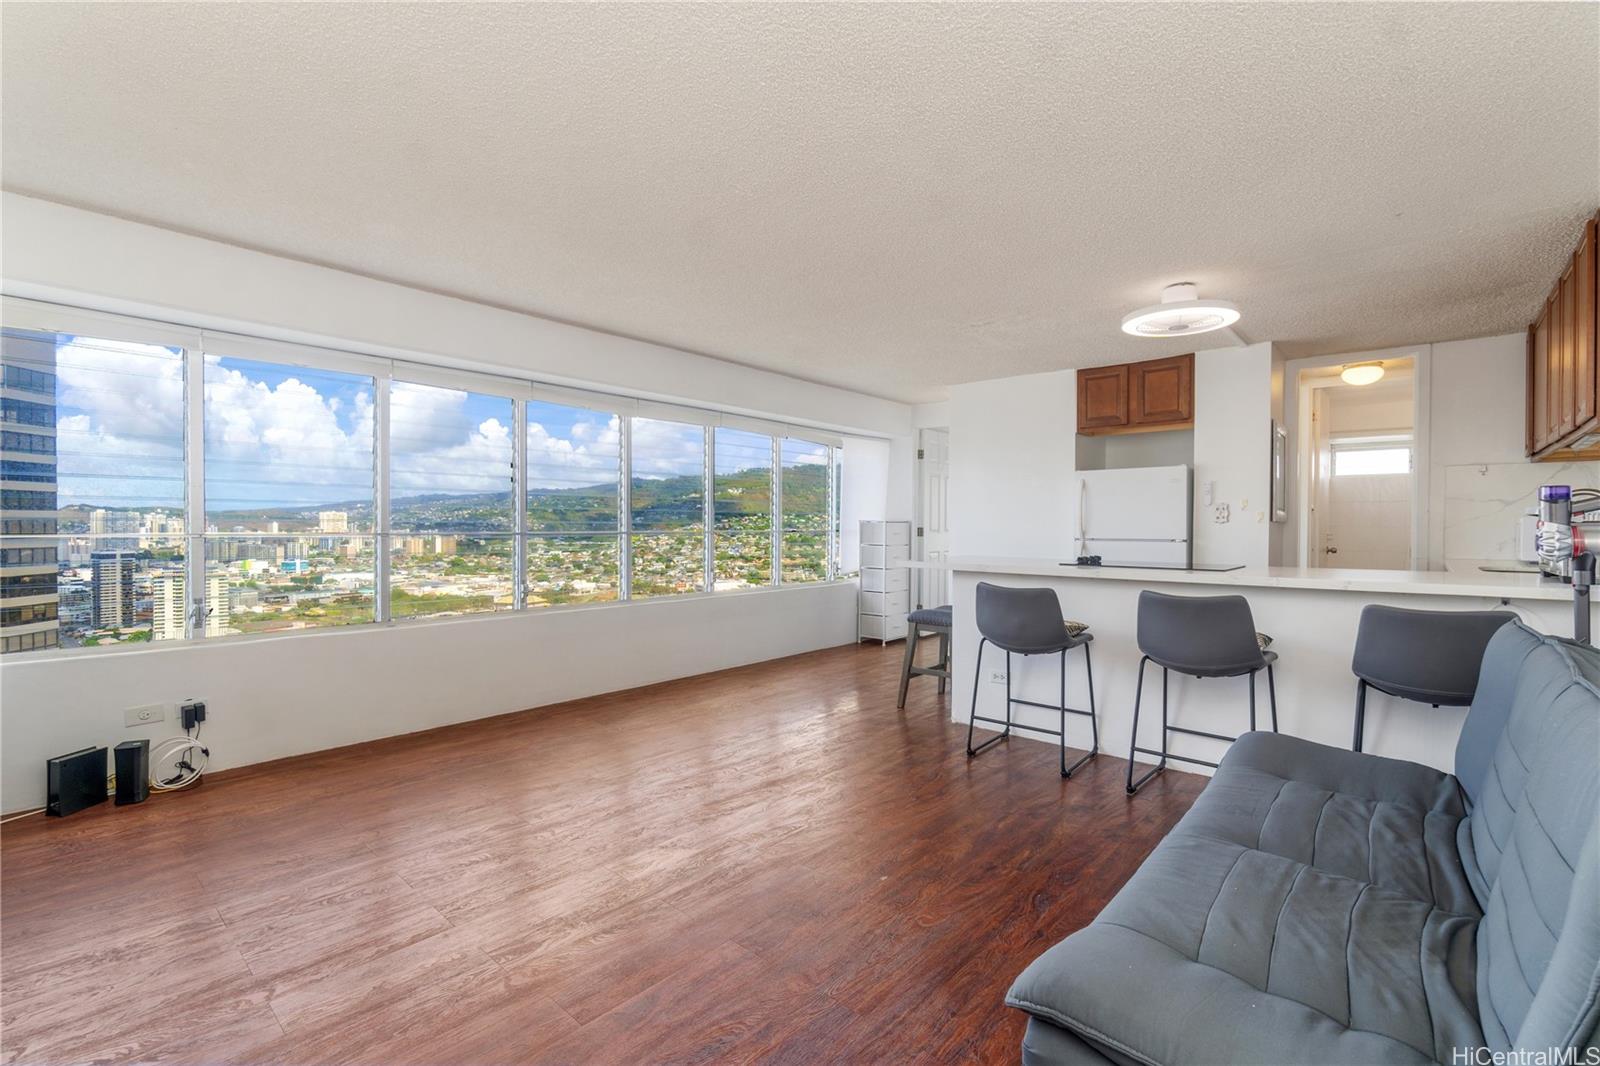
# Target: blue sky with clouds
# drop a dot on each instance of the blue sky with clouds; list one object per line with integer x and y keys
{"x": 281, "y": 436}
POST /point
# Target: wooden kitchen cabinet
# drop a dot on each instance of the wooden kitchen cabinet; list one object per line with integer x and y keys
{"x": 1136, "y": 397}
{"x": 1102, "y": 398}
{"x": 1162, "y": 391}
{"x": 1563, "y": 403}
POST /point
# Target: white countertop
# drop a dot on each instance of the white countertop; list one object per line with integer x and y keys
{"x": 1464, "y": 580}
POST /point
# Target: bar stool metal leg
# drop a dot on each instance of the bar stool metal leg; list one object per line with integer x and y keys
{"x": 1272, "y": 697}
{"x": 910, "y": 661}
{"x": 944, "y": 664}
{"x": 972, "y": 717}
{"x": 1361, "y": 714}
{"x": 1094, "y": 724}
{"x": 1252, "y": 680}
{"x": 1094, "y": 729}
{"x": 1133, "y": 746}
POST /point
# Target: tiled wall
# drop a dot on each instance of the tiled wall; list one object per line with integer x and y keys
{"x": 1482, "y": 502}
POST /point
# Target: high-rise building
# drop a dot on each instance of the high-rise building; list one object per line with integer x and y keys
{"x": 168, "y": 605}
{"x": 113, "y": 604}
{"x": 97, "y": 522}
{"x": 333, "y": 522}
{"x": 29, "y": 594}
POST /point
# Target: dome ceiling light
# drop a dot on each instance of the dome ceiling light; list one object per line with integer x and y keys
{"x": 1361, "y": 373}
{"x": 1180, "y": 313}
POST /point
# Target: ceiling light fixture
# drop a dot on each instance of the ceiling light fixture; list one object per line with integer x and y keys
{"x": 1180, "y": 313}
{"x": 1361, "y": 373}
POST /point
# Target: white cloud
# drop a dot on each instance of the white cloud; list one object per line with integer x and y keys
{"x": 666, "y": 449}
{"x": 268, "y": 444}
{"x": 120, "y": 424}
{"x": 587, "y": 455}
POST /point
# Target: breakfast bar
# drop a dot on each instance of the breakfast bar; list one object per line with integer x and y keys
{"x": 1311, "y": 615}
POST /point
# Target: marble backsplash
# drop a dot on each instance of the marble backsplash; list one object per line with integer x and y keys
{"x": 1482, "y": 502}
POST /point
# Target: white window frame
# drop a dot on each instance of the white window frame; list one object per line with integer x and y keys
{"x": 1371, "y": 442}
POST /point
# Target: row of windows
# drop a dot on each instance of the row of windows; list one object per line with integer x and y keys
{"x": 26, "y": 556}
{"x": 15, "y": 585}
{"x": 37, "y": 641}
{"x": 38, "y": 443}
{"x": 291, "y": 532}
{"x": 26, "y": 413}
{"x": 21, "y": 616}
{"x": 17, "y": 470}
{"x": 27, "y": 527}
{"x": 15, "y": 376}
{"x": 27, "y": 500}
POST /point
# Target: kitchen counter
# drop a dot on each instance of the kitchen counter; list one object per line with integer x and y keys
{"x": 1311, "y": 614}
{"x": 1464, "y": 579}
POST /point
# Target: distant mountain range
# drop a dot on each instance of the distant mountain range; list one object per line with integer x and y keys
{"x": 657, "y": 503}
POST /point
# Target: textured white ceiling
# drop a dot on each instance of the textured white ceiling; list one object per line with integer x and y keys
{"x": 889, "y": 197}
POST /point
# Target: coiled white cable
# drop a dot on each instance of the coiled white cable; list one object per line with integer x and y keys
{"x": 187, "y": 770}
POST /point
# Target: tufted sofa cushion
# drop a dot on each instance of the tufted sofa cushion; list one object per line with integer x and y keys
{"x": 1381, "y": 821}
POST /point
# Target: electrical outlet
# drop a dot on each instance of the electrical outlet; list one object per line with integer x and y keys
{"x": 1219, "y": 514}
{"x": 149, "y": 714}
{"x": 997, "y": 677}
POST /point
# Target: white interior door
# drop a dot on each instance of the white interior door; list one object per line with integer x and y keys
{"x": 933, "y": 515}
{"x": 1367, "y": 525}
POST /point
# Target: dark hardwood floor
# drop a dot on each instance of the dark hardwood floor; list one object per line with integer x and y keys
{"x": 766, "y": 864}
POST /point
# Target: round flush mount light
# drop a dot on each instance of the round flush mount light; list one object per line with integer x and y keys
{"x": 1180, "y": 313}
{"x": 1361, "y": 373}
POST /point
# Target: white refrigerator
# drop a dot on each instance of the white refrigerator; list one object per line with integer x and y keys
{"x": 1138, "y": 517}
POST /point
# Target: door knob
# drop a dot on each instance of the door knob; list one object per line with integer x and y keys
{"x": 1331, "y": 550}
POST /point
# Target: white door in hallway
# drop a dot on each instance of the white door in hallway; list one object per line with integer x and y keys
{"x": 1368, "y": 522}
{"x": 933, "y": 515}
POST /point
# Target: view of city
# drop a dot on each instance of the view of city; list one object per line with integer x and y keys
{"x": 93, "y": 535}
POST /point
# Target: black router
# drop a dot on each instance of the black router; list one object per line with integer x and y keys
{"x": 75, "y": 781}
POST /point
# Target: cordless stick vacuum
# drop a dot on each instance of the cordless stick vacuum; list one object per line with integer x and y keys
{"x": 1562, "y": 550}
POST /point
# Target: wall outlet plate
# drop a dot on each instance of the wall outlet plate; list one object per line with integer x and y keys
{"x": 149, "y": 714}
{"x": 1219, "y": 514}
{"x": 997, "y": 677}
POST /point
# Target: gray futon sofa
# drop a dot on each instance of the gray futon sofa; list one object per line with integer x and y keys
{"x": 1317, "y": 905}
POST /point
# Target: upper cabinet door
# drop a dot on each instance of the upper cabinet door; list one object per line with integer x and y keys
{"x": 1162, "y": 391}
{"x": 1584, "y": 325}
{"x": 1102, "y": 397}
{"x": 1563, "y": 353}
{"x": 1539, "y": 426}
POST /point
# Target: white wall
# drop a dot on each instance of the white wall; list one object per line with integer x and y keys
{"x": 270, "y": 697}
{"x": 1370, "y": 408}
{"x": 281, "y": 696}
{"x": 1013, "y": 451}
{"x": 864, "y": 494}
{"x": 1478, "y": 414}
{"x": 1233, "y": 451}
{"x": 1127, "y": 450}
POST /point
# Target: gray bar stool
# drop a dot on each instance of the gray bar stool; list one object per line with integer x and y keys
{"x": 1029, "y": 622}
{"x": 1201, "y": 636}
{"x": 1428, "y": 656}
{"x": 924, "y": 621}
